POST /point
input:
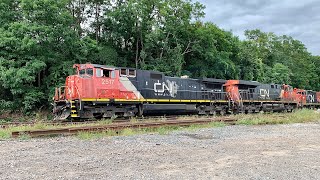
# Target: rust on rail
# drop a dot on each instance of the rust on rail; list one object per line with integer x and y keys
{"x": 120, "y": 126}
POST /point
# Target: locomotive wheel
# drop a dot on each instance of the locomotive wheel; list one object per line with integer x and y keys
{"x": 213, "y": 113}
{"x": 223, "y": 112}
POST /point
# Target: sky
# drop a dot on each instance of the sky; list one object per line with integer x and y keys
{"x": 299, "y": 19}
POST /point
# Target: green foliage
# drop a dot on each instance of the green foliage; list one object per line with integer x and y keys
{"x": 40, "y": 40}
{"x": 299, "y": 116}
{"x": 214, "y": 52}
{"x": 282, "y": 58}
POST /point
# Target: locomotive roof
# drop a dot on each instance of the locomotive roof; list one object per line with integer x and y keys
{"x": 102, "y": 66}
{"x": 107, "y": 66}
{"x": 213, "y": 80}
{"x": 250, "y": 83}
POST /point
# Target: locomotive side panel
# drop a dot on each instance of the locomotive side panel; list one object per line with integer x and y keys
{"x": 268, "y": 92}
{"x": 155, "y": 85}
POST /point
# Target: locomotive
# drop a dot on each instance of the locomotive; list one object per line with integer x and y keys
{"x": 99, "y": 91}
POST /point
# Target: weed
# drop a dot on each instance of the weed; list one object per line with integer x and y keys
{"x": 299, "y": 116}
{"x": 105, "y": 121}
{"x": 133, "y": 120}
{"x": 40, "y": 125}
{"x": 162, "y": 130}
{"x": 23, "y": 136}
{"x": 113, "y": 117}
{"x": 95, "y": 135}
{"x": 128, "y": 132}
{"x": 5, "y": 134}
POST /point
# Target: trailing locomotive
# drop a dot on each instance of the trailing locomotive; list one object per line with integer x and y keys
{"x": 98, "y": 91}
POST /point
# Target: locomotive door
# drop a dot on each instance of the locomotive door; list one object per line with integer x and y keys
{"x": 251, "y": 93}
{"x": 87, "y": 83}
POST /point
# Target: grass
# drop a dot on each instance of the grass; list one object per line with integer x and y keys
{"x": 299, "y": 116}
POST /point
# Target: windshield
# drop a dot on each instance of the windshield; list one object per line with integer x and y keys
{"x": 86, "y": 72}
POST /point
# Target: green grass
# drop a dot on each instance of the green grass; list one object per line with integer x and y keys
{"x": 299, "y": 116}
{"x": 94, "y": 135}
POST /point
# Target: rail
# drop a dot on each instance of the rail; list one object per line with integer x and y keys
{"x": 66, "y": 123}
{"x": 120, "y": 126}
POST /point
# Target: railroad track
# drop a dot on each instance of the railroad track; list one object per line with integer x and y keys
{"x": 15, "y": 124}
{"x": 120, "y": 126}
{"x": 66, "y": 123}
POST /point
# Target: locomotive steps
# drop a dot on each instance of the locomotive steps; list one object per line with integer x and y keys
{"x": 165, "y": 125}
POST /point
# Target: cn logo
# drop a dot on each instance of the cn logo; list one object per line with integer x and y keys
{"x": 311, "y": 98}
{"x": 168, "y": 88}
{"x": 264, "y": 93}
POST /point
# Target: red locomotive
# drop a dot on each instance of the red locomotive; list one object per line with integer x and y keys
{"x": 98, "y": 91}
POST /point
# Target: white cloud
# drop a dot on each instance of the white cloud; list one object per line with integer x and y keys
{"x": 299, "y": 19}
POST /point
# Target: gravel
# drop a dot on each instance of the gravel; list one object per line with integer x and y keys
{"x": 232, "y": 152}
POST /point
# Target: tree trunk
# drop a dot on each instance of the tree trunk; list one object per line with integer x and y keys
{"x": 97, "y": 22}
{"x": 39, "y": 78}
{"x": 137, "y": 51}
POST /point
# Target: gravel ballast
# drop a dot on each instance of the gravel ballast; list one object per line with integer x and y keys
{"x": 231, "y": 152}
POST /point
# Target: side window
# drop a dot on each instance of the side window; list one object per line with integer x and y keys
{"x": 90, "y": 72}
{"x": 123, "y": 72}
{"x": 132, "y": 72}
{"x": 106, "y": 73}
{"x": 113, "y": 74}
{"x": 99, "y": 72}
{"x": 272, "y": 86}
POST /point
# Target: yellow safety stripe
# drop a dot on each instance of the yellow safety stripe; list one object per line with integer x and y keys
{"x": 183, "y": 100}
{"x": 95, "y": 99}
{"x": 268, "y": 101}
{"x": 131, "y": 100}
{"x": 165, "y": 100}
{"x": 150, "y": 100}
{"x": 74, "y": 115}
{"x": 312, "y": 104}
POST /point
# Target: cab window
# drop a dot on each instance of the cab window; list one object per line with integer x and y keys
{"x": 123, "y": 72}
{"x": 113, "y": 74}
{"x": 82, "y": 72}
{"x": 105, "y": 73}
{"x": 99, "y": 72}
{"x": 132, "y": 72}
{"x": 90, "y": 72}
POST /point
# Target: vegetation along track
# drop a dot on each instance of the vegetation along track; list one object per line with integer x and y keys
{"x": 67, "y": 123}
{"x": 121, "y": 126}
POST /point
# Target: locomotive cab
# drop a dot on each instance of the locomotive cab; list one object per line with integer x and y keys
{"x": 301, "y": 96}
{"x": 88, "y": 82}
{"x": 94, "y": 84}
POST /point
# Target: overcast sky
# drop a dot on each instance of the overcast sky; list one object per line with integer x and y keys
{"x": 297, "y": 18}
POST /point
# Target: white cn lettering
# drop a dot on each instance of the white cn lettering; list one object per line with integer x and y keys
{"x": 166, "y": 89}
{"x": 264, "y": 93}
{"x": 311, "y": 98}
